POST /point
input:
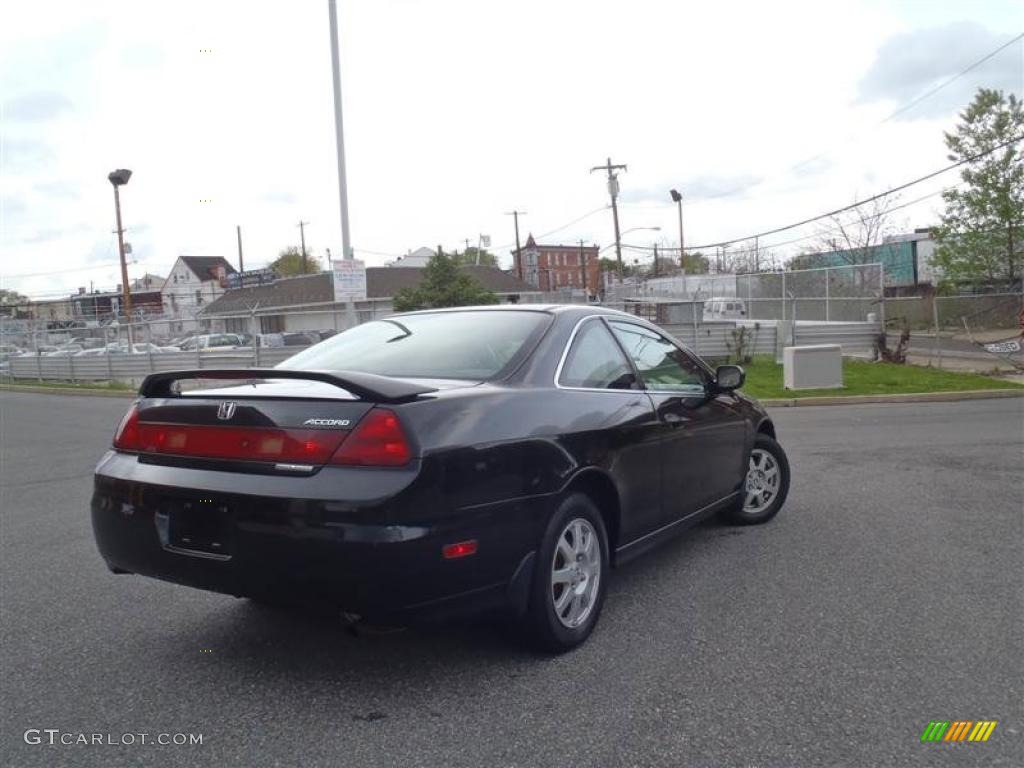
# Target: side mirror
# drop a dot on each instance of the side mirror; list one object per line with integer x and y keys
{"x": 729, "y": 377}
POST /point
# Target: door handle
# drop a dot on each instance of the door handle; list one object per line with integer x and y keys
{"x": 673, "y": 419}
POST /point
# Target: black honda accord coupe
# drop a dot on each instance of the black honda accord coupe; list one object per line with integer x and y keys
{"x": 436, "y": 462}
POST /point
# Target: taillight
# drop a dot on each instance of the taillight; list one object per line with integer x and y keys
{"x": 377, "y": 441}
{"x": 127, "y": 436}
{"x": 303, "y": 446}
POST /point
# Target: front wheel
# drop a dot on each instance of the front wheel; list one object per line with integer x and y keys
{"x": 765, "y": 485}
{"x": 570, "y": 577}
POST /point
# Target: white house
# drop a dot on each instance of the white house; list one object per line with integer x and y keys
{"x": 194, "y": 282}
{"x": 418, "y": 258}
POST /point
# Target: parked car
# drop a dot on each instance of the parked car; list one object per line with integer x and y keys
{"x": 95, "y": 352}
{"x": 438, "y": 461}
{"x": 7, "y": 351}
{"x": 725, "y": 309}
{"x": 301, "y": 338}
{"x": 66, "y": 350}
{"x": 270, "y": 340}
{"x": 210, "y": 342}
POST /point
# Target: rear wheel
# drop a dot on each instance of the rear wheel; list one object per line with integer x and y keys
{"x": 765, "y": 486}
{"x": 570, "y": 577}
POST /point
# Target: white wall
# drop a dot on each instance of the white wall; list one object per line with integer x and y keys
{"x": 181, "y": 286}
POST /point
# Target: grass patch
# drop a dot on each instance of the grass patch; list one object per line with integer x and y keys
{"x": 106, "y": 386}
{"x": 764, "y": 380}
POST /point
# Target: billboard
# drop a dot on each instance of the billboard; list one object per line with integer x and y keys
{"x": 349, "y": 279}
{"x": 248, "y": 278}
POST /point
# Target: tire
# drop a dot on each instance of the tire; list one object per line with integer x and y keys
{"x": 556, "y": 624}
{"x": 767, "y": 457}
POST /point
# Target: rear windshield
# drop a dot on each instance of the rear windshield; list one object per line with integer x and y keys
{"x": 443, "y": 345}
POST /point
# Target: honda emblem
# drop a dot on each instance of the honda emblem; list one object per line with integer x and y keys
{"x": 226, "y": 410}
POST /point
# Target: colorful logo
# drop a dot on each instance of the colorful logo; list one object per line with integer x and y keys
{"x": 959, "y": 730}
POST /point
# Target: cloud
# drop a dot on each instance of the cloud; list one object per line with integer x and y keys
{"x": 12, "y": 206}
{"x": 287, "y": 198}
{"x": 52, "y": 189}
{"x": 47, "y": 234}
{"x": 38, "y": 106}
{"x": 907, "y": 65}
{"x": 699, "y": 188}
{"x": 21, "y": 154}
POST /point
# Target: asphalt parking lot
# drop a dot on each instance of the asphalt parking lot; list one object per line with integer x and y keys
{"x": 887, "y": 593}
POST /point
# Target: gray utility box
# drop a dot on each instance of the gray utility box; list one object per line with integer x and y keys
{"x": 814, "y": 367}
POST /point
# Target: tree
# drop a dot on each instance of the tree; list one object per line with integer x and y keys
{"x": 444, "y": 284}
{"x": 289, "y": 263}
{"x": 696, "y": 263}
{"x": 9, "y": 297}
{"x": 805, "y": 260}
{"x": 854, "y": 239}
{"x": 612, "y": 265}
{"x": 980, "y": 234}
{"x": 667, "y": 266}
{"x": 469, "y": 257}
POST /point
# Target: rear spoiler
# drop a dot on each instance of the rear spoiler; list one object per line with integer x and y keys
{"x": 365, "y": 386}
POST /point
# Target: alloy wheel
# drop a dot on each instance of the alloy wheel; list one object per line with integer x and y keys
{"x": 762, "y": 483}
{"x": 575, "y": 572}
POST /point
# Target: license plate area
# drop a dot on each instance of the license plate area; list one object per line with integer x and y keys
{"x": 200, "y": 526}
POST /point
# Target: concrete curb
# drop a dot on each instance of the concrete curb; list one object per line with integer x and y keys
{"x": 922, "y": 397}
{"x": 789, "y": 402}
{"x": 86, "y": 392}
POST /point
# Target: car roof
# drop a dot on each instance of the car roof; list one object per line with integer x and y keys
{"x": 579, "y": 310}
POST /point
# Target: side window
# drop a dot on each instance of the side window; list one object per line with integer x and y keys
{"x": 595, "y": 361}
{"x": 661, "y": 364}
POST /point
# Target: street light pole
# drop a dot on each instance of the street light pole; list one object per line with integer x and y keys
{"x": 339, "y": 132}
{"x": 678, "y": 198}
{"x": 117, "y": 179}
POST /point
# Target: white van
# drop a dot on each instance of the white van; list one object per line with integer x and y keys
{"x": 725, "y": 309}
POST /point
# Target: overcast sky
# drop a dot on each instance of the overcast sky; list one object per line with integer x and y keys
{"x": 456, "y": 112}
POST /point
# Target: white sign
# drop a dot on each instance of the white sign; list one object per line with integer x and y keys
{"x": 1003, "y": 347}
{"x": 349, "y": 279}
{"x": 485, "y": 241}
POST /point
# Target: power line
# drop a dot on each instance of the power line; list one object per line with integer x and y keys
{"x": 955, "y": 77}
{"x": 830, "y": 230}
{"x": 879, "y": 196}
{"x": 577, "y": 220}
{"x": 876, "y": 216}
{"x": 63, "y": 271}
{"x": 909, "y": 105}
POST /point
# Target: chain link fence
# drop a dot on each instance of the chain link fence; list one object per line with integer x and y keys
{"x": 851, "y": 293}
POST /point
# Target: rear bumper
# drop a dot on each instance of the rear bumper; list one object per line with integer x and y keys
{"x": 376, "y": 553}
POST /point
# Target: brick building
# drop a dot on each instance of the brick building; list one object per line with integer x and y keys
{"x": 559, "y": 267}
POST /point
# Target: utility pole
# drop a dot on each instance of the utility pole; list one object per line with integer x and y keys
{"x": 519, "y": 256}
{"x": 241, "y": 263}
{"x": 655, "y": 259}
{"x": 583, "y": 271}
{"x": 302, "y": 238}
{"x": 613, "y": 192}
